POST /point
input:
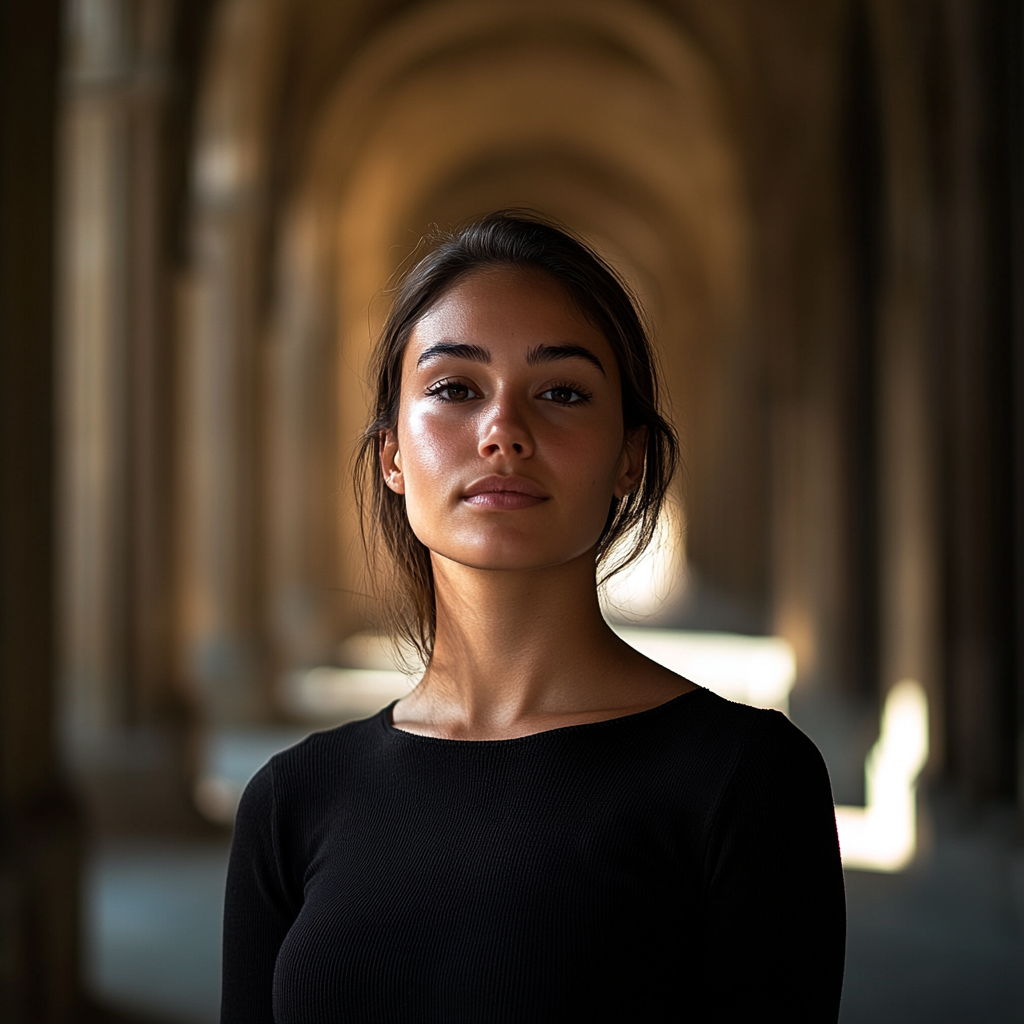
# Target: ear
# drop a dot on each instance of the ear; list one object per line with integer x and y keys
{"x": 391, "y": 461}
{"x": 631, "y": 462}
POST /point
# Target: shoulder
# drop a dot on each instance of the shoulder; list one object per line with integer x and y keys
{"x": 323, "y": 755}
{"x": 310, "y": 771}
{"x": 737, "y": 731}
{"x": 289, "y": 801}
{"x": 739, "y": 756}
{"x": 762, "y": 734}
{"x": 776, "y": 751}
{"x": 770, "y": 772}
{"x": 713, "y": 756}
{"x": 722, "y": 735}
{"x": 760, "y": 744}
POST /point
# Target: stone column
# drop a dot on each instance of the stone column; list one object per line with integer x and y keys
{"x": 39, "y": 830}
{"x": 92, "y": 373}
{"x": 153, "y": 683}
{"x": 909, "y": 529}
{"x": 224, "y": 299}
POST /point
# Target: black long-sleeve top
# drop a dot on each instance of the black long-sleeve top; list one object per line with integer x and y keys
{"x": 677, "y": 864}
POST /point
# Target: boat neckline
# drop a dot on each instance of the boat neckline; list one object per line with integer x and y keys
{"x": 386, "y": 718}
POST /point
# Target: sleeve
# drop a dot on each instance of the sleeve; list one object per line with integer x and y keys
{"x": 258, "y": 910}
{"x": 774, "y": 894}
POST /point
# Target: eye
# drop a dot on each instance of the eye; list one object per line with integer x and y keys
{"x": 451, "y": 391}
{"x": 566, "y": 394}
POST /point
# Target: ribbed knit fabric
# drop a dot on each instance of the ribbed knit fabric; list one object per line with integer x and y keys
{"x": 678, "y": 864}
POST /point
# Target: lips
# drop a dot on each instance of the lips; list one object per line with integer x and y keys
{"x": 504, "y": 492}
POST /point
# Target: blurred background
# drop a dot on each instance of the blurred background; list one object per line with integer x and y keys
{"x": 822, "y": 206}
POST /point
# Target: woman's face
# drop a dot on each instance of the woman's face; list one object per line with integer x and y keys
{"x": 510, "y": 443}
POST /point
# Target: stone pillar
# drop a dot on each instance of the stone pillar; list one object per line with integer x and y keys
{"x": 114, "y": 372}
{"x": 153, "y": 691}
{"x": 969, "y": 397}
{"x": 224, "y": 300}
{"x": 974, "y": 69}
{"x": 910, "y": 575}
{"x": 39, "y": 830}
{"x": 93, "y": 378}
{"x": 219, "y": 452}
{"x": 306, "y": 468}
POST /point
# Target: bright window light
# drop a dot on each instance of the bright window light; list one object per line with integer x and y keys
{"x": 327, "y": 692}
{"x": 755, "y": 670}
{"x": 656, "y": 580}
{"x": 882, "y": 835}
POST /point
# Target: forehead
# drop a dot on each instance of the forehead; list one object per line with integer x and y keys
{"x": 507, "y": 309}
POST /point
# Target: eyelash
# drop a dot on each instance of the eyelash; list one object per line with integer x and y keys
{"x": 584, "y": 395}
{"x": 437, "y": 390}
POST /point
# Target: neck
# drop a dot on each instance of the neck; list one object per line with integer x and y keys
{"x": 516, "y": 644}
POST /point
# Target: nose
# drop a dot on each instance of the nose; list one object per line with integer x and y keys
{"x": 504, "y": 429}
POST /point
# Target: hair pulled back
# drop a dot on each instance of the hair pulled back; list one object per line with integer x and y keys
{"x": 399, "y": 565}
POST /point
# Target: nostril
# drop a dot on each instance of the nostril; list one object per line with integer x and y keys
{"x": 518, "y": 447}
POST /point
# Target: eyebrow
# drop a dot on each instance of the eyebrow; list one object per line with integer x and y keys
{"x": 551, "y": 353}
{"x": 538, "y": 354}
{"x": 452, "y": 348}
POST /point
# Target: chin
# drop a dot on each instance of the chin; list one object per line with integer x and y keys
{"x": 511, "y": 556}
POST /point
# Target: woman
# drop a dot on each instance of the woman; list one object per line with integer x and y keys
{"x": 550, "y": 827}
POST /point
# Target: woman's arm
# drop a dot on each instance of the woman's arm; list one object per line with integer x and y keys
{"x": 775, "y": 899}
{"x": 257, "y": 908}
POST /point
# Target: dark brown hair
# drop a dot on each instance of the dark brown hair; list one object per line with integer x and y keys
{"x": 400, "y": 571}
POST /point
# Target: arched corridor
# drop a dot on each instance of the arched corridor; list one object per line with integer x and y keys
{"x": 820, "y": 206}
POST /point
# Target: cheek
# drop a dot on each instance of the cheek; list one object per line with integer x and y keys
{"x": 591, "y": 458}
{"x": 429, "y": 444}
